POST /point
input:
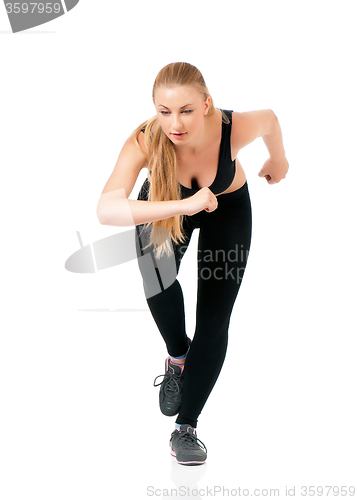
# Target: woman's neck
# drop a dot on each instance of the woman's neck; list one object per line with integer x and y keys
{"x": 203, "y": 139}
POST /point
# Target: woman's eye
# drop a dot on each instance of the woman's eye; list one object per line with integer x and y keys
{"x": 187, "y": 111}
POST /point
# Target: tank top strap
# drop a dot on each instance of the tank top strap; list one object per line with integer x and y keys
{"x": 226, "y": 136}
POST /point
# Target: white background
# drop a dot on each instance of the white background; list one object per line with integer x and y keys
{"x": 79, "y": 416}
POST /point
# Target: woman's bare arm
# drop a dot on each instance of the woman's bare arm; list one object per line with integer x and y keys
{"x": 115, "y": 209}
{"x": 248, "y": 126}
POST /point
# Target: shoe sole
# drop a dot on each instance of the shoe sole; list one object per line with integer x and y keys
{"x": 169, "y": 414}
{"x": 193, "y": 462}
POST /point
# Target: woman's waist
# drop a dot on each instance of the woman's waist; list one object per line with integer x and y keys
{"x": 239, "y": 193}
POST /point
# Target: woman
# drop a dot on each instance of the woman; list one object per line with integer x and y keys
{"x": 195, "y": 181}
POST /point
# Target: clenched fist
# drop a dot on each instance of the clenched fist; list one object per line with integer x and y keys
{"x": 204, "y": 199}
{"x": 274, "y": 170}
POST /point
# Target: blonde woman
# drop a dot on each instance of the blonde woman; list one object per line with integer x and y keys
{"x": 194, "y": 182}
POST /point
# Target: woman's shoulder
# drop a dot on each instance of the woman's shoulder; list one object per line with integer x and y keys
{"x": 249, "y": 125}
{"x": 141, "y": 140}
{"x": 227, "y": 115}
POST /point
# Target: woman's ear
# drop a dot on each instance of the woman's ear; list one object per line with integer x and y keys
{"x": 208, "y": 100}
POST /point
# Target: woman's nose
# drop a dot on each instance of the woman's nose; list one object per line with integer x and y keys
{"x": 176, "y": 122}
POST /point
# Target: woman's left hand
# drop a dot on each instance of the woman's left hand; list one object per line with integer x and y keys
{"x": 274, "y": 170}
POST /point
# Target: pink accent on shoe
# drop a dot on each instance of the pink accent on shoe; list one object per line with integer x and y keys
{"x": 189, "y": 427}
{"x": 167, "y": 368}
{"x": 193, "y": 462}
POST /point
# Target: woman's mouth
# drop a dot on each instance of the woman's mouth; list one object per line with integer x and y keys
{"x": 179, "y": 136}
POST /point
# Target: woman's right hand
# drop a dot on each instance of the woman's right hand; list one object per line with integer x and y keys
{"x": 204, "y": 199}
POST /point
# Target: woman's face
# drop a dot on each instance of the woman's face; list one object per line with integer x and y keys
{"x": 181, "y": 111}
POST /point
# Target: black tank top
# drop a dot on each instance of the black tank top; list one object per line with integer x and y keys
{"x": 226, "y": 167}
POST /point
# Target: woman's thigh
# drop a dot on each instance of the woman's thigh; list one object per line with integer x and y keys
{"x": 160, "y": 272}
{"x": 223, "y": 249}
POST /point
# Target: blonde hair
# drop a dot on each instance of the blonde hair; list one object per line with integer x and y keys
{"x": 161, "y": 156}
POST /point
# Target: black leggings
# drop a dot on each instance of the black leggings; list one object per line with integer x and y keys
{"x": 223, "y": 248}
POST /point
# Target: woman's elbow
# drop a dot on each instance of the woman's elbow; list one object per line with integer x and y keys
{"x": 101, "y": 220}
{"x": 275, "y": 118}
{"x": 113, "y": 211}
{"x": 101, "y": 214}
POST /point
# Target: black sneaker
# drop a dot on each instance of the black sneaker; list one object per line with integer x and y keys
{"x": 186, "y": 446}
{"x": 170, "y": 395}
